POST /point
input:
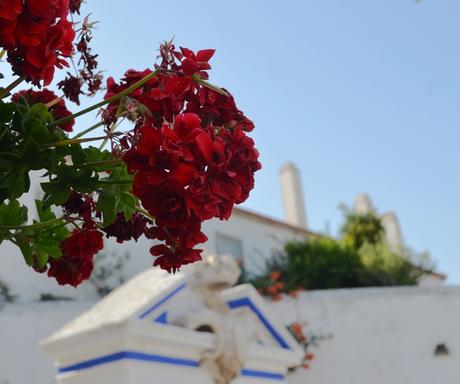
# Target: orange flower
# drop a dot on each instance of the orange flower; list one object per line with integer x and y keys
{"x": 279, "y": 285}
{"x": 272, "y": 290}
{"x": 309, "y": 356}
{"x": 274, "y": 275}
{"x": 297, "y": 330}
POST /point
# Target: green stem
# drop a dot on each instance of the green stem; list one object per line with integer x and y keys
{"x": 199, "y": 80}
{"x": 102, "y": 163}
{"x": 116, "y": 97}
{"x": 9, "y": 88}
{"x": 53, "y": 102}
{"x": 113, "y": 182}
{"x": 88, "y": 130}
{"x": 31, "y": 226}
{"x": 112, "y": 126}
{"x": 2, "y": 53}
{"x": 63, "y": 143}
{"x": 145, "y": 213}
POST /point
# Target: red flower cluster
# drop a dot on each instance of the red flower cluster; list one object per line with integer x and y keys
{"x": 83, "y": 205}
{"x": 190, "y": 153}
{"x": 125, "y": 230}
{"x": 58, "y": 110}
{"x": 275, "y": 287}
{"x": 76, "y": 263}
{"x": 72, "y": 86}
{"x": 37, "y": 36}
{"x": 297, "y": 331}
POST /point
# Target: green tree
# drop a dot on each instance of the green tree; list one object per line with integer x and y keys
{"x": 322, "y": 263}
{"x": 358, "y": 230}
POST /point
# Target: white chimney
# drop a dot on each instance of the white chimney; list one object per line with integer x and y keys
{"x": 293, "y": 200}
{"x": 363, "y": 204}
{"x": 393, "y": 237}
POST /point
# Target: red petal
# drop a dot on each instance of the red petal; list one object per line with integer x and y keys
{"x": 160, "y": 249}
{"x": 182, "y": 175}
{"x": 204, "y": 143}
{"x": 190, "y": 66}
{"x": 205, "y": 54}
{"x": 187, "y": 53}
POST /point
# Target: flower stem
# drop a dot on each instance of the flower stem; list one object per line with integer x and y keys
{"x": 2, "y": 53}
{"x": 9, "y": 88}
{"x": 109, "y": 100}
{"x": 31, "y": 226}
{"x": 53, "y": 102}
{"x": 63, "y": 143}
{"x": 145, "y": 213}
{"x": 88, "y": 130}
{"x": 103, "y": 163}
{"x": 112, "y": 126}
{"x": 199, "y": 80}
{"x": 114, "y": 182}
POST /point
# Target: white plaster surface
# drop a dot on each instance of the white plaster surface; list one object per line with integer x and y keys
{"x": 22, "y": 327}
{"x": 379, "y": 335}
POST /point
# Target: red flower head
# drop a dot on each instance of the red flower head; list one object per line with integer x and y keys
{"x": 58, "y": 110}
{"x": 190, "y": 154}
{"x": 124, "y": 230}
{"x": 76, "y": 264}
{"x": 37, "y": 36}
{"x": 9, "y": 13}
{"x": 74, "y": 6}
{"x": 198, "y": 63}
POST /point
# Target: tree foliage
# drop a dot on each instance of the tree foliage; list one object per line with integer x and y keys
{"x": 360, "y": 258}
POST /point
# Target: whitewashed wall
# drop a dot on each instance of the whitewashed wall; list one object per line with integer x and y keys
{"x": 22, "y": 327}
{"x": 379, "y": 335}
{"x": 260, "y": 237}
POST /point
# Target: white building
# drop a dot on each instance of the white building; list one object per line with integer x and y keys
{"x": 401, "y": 326}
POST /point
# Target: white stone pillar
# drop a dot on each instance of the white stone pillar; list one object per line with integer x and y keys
{"x": 293, "y": 198}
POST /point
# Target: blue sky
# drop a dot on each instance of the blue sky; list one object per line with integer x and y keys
{"x": 362, "y": 95}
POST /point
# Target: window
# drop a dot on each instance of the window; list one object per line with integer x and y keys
{"x": 231, "y": 246}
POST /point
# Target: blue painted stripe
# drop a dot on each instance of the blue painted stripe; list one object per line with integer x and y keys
{"x": 162, "y": 301}
{"x": 147, "y": 357}
{"x": 162, "y": 319}
{"x": 262, "y": 374}
{"x": 245, "y": 301}
{"x": 128, "y": 355}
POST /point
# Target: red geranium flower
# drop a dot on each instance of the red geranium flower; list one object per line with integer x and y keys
{"x": 58, "y": 110}
{"x": 190, "y": 154}
{"x": 76, "y": 263}
{"x": 37, "y": 36}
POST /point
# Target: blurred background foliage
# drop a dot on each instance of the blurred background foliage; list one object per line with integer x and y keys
{"x": 358, "y": 258}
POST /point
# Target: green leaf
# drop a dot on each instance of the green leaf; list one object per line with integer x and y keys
{"x": 26, "y": 249}
{"x": 6, "y": 111}
{"x": 95, "y": 154}
{"x": 44, "y": 213}
{"x": 31, "y": 150}
{"x": 20, "y": 184}
{"x": 79, "y": 156}
{"x": 37, "y": 129}
{"x": 50, "y": 248}
{"x": 41, "y": 255}
{"x": 58, "y": 196}
{"x": 12, "y": 214}
{"x": 41, "y": 111}
{"x": 107, "y": 204}
{"x": 127, "y": 204}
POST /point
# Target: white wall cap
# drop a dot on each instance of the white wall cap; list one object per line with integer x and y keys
{"x": 121, "y": 304}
